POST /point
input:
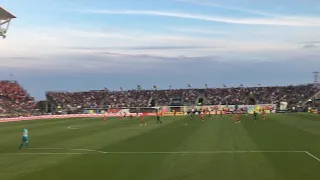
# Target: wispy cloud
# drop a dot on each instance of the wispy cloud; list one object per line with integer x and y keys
{"x": 310, "y": 42}
{"x": 210, "y": 4}
{"x": 144, "y": 48}
{"x": 199, "y": 31}
{"x": 310, "y": 46}
{"x": 249, "y": 21}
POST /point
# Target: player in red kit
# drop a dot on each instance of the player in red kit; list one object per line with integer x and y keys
{"x": 237, "y": 117}
{"x": 231, "y": 115}
{"x": 263, "y": 115}
{"x": 105, "y": 119}
{"x": 142, "y": 121}
{"x": 202, "y": 116}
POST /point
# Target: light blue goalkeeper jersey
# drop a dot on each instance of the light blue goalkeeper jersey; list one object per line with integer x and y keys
{"x": 25, "y": 133}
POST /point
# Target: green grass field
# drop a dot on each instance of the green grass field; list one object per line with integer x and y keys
{"x": 285, "y": 147}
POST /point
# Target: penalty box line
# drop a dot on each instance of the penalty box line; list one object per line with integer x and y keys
{"x": 85, "y": 152}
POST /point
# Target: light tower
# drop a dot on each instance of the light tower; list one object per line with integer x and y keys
{"x": 5, "y": 19}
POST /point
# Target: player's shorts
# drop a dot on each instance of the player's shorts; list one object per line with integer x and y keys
{"x": 24, "y": 139}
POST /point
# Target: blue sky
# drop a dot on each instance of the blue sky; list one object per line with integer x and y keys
{"x": 87, "y": 44}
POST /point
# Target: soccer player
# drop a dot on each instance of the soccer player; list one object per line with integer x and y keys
{"x": 231, "y": 115}
{"x": 174, "y": 112}
{"x": 209, "y": 111}
{"x": 254, "y": 116}
{"x": 105, "y": 119}
{"x": 201, "y": 116}
{"x": 191, "y": 114}
{"x": 264, "y": 115}
{"x": 221, "y": 114}
{"x": 158, "y": 119}
{"x": 237, "y": 117}
{"x": 142, "y": 121}
{"x": 24, "y": 138}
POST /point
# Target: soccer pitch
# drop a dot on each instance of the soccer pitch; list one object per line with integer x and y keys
{"x": 285, "y": 147}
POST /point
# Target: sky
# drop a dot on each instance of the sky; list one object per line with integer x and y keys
{"x": 80, "y": 45}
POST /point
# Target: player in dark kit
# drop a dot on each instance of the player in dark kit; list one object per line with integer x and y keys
{"x": 254, "y": 116}
{"x": 158, "y": 119}
{"x": 191, "y": 114}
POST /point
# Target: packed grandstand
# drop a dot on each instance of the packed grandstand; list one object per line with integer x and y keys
{"x": 15, "y": 100}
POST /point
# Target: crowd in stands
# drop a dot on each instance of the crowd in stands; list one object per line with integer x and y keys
{"x": 261, "y": 95}
{"x": 76, "y": 100}
{"x": 14, "y": 99}
{"x": 190, "y": 96}
{"x": 131, "y": 98}
{"x": 163, "y": 97}
{"x": 212, "y": 96}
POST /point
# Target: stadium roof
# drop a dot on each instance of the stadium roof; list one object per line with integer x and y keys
{"x": 5, "y": 15}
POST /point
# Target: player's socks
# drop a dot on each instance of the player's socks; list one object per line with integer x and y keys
{"x": 21, "y": 145}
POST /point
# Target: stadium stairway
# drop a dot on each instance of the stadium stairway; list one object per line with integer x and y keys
{"x": 149, "y": 101}
{"x": 315, "y": 95}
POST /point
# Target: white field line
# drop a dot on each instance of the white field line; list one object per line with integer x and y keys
{"x": 89, "y": 150}
{"x": 150, "y": 152}
{"x": 182, "y": 152}
{"x": 202, "y": 152}
{"x": 48, "y": 148}
{"x": 313, "y": 156}
{"x": 172, "y": 152}
{"x": 72, "y": 127}
{"x": 167, "y": 152}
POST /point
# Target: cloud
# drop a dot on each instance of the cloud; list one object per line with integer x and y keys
{"x": 310, "y": 46}
{"x": 288, "y": 21}
{"x": 199, "y": 31}
{"x": 310, "y": 42}
{"x": 144, "y": 48}
{"x": 202, "y": 3}
{"x": 114, "y": 61}
{"x": 302, "y": 20}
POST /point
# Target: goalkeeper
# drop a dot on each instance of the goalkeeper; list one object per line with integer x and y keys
{"x": 25, "y": 138}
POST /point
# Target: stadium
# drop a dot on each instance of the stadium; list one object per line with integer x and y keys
{"x": 225, "y": 133}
